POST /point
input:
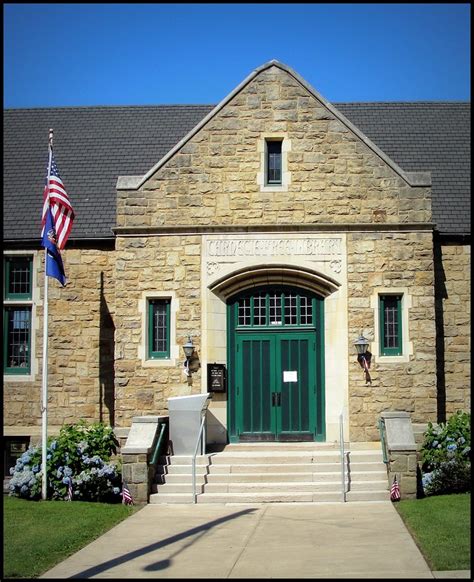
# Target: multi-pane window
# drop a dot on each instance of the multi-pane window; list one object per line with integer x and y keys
{"x": 275, "y": 308}
{"x": 244, "y": 311}
{"x": 260, "y": 310}
{"x": 159, "y": 328}
{"x": 391, "y": 325}
{"x": 291, "y": 309}
{"x": 273, "y": 162}
{"x": 18, "y": 294}
{"x": 306, "y": 311}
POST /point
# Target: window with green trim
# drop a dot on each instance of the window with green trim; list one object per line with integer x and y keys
{"x": 17, "y": 277}
{"x": 17, "y": 314}
{"x": 159, "y": 328}
{"x": 278, "y": 308}
{"x": 390, "y": 308}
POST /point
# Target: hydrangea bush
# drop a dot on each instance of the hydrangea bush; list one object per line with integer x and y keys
{"x": 81, "y": 453}
{"x": 446, "y": 456}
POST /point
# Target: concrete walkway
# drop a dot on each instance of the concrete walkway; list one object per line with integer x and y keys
{"x": 351, "y": 540}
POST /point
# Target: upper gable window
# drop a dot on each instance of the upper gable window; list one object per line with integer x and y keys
{"x": 273, "y": 150}
{"x": 274, "y": 162}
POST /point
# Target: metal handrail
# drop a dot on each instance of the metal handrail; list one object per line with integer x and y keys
{"x": 194, "y": 458}
{"x": 343, "y": 454}
{"x": 158, "y": 445}
{"x": 383, "y": 440}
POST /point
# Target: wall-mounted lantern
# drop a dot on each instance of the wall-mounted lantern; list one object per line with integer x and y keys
{"x": 188, "y": 349}
{"x": 364, "y": 356}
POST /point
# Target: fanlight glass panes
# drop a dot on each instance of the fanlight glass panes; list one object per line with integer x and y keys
{"x": 275, "y": 308}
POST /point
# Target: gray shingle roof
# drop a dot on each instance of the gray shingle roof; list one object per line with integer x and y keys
{"x": 428, "y": 136}
{"x": 94, "y": 145}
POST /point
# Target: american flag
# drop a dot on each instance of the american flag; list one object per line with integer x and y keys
{"x": 56, "y": 197}
{"x": 395, "y": 490}
{"x": 69, "y": 489}
{"x": 126, "y": 495}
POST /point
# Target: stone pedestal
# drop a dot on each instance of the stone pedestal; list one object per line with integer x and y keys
{"x": 136, "y": 454}
{"x": 401, "y": 448}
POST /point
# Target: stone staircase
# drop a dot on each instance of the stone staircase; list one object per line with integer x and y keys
{"x": 274, "y": 473}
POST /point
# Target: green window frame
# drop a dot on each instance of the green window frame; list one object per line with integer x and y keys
{"x": 274, "y": 309}
{"x": 17, "y": 273}
{"x": 17, "y": 314}
{"x": 159, "y": 329}
{"x": 390, "y": 318}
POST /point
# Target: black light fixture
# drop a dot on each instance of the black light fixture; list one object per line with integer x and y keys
{"x": 364, "y": 356}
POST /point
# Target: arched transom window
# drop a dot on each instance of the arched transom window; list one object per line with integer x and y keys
{"x": 279, "y": 307}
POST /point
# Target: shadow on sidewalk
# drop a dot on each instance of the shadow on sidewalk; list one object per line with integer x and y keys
{"x": 163, "y": 564}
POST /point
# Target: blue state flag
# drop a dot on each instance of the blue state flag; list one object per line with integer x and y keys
{"x": 54, "y": 262}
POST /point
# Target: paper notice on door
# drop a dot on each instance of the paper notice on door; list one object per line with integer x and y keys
{"x": 290, "y": 376}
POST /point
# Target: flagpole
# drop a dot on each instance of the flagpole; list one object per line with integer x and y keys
{"x": 44, "y": 408}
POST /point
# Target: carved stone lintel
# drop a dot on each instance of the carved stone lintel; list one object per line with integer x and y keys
{"x": 244, "y": 247}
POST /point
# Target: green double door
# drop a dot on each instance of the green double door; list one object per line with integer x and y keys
{"x": 276, "y": 386}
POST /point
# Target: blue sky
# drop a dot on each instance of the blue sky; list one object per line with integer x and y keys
{"x": 140, "y": 54}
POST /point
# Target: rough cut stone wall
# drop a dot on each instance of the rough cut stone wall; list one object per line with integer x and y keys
{"x": 454, "y": 317}
{"x": 80, "y": 347}
{"x": 391, "y": 260}
{"x": 335, "y": 177}
{"x": 154, "y": 264}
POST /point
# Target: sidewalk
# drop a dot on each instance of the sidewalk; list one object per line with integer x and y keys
{"x": 351, "y": 540}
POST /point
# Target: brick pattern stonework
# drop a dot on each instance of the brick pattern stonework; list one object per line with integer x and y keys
{"x": 80, "y": 347}
{"x": 96, "y": 371}
{"x": 146, "y": 265}
{"x": 335, "y": 179}
{"x": 454, "y": 317}
{"x": 392, "y": 260}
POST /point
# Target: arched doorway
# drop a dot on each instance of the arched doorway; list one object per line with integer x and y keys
{"x": 276, "y": 364}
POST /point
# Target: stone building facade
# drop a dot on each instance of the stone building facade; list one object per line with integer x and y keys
{"x": 203, "y": 234}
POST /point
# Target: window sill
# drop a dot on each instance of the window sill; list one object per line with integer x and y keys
{"x": 162, "y": 363}
{"x": 18, "y": 378}
{"x": 403, "y": 359}
{"x": 274, "y": 188}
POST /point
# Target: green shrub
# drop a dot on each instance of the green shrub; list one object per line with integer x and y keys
{"x": 81, "y": 456}
{"x": 446, "y": 456}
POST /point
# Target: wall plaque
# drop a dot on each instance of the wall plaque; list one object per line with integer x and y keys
{"x": 216, "y": 378}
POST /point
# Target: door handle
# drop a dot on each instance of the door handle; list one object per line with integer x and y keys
{"x": 276, "y": 398}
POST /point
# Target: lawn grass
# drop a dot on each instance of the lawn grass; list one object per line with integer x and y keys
{"x": 441, "y": 528}
{"x": 40, "y": 534}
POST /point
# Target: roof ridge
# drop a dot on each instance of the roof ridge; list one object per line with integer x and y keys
{"x": 76, "y": 107}
{"x": 180, "y": 105}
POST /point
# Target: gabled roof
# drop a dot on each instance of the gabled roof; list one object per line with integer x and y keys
{"x": 413, "y": 179}
{"x": 95, "y": 145}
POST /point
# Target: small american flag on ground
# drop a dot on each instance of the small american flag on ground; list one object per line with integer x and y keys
{"x": 395, "y": 490}
{"x": 56, "y": 198}
{"x": 69, "y": 489}
{"x": 126, "y": 495}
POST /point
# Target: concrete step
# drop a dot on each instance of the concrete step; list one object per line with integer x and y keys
{"x": 374, "y": 495}
{"x": 296, "y": 457}
{"x": 171, "y": 498}
{"x": 269, "y": 487}
{"x": 281, "y": 497}
{"x": 237, "y": 477}
{"x": 290, "y": 446}
{"x": 356, "y": 469}
{"x": 274, "y": 473}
